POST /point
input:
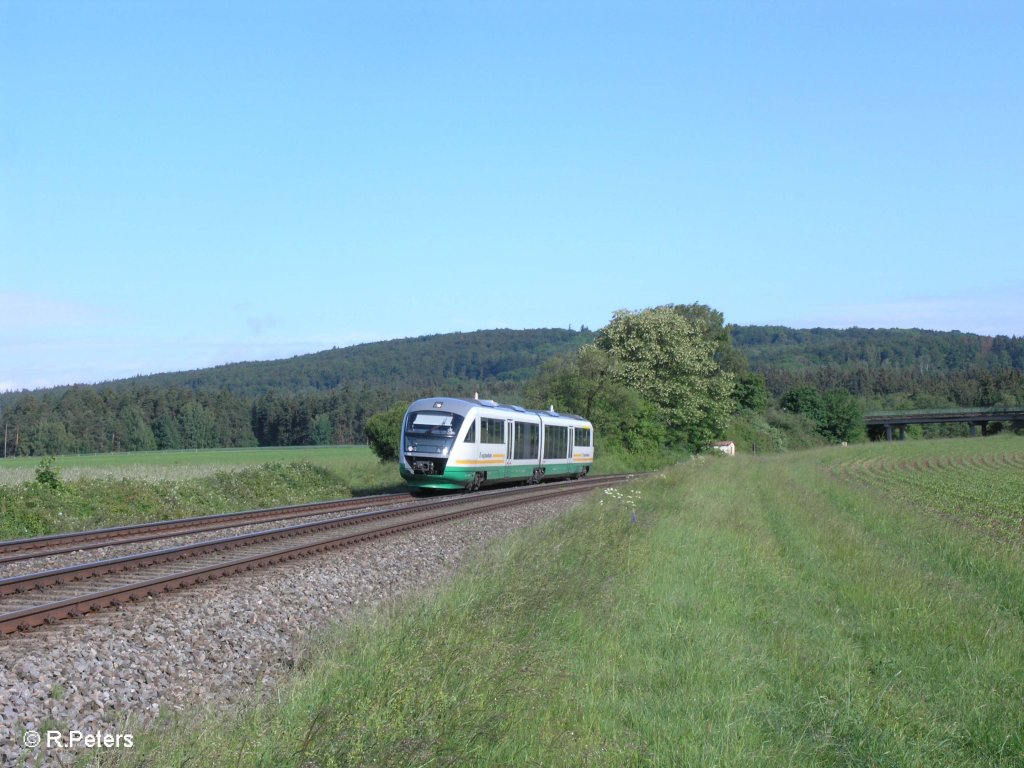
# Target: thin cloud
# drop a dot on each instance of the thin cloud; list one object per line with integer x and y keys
{"x": 32, "y": 311}
{"x": 263, "y": 323}
{"x": 988, "y": 316}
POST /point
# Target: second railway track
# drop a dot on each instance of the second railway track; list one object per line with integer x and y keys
{"x": 75, "y": 541}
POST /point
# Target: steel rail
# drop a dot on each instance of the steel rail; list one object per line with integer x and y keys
{"x": 24, "y": 618}
{"x": 83, "y": 571}
{"x": 61, "y": 543}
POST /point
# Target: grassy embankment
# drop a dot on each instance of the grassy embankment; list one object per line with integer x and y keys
{"x": 116, "y": 489}
{"x": 837, "y": 607}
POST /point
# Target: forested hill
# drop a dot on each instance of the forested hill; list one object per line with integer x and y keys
{"x": 440, "y": 361}
{"x": 776, "y": 347}
{"x": 888, "y": 368}
{"x": 426, "y": 362}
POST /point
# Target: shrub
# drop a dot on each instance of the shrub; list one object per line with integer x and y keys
{"x": 384, "y": 432}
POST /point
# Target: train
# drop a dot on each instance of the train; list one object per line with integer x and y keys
{"x": 451, "y": 443}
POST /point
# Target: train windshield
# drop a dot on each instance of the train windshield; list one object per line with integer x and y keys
{"x": 433, "y": 423}
{"x": 431, "y": 432}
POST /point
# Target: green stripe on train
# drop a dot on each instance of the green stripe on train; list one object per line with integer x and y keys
{"x": 455, "y": 478}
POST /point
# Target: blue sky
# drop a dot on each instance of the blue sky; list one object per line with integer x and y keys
{"x": 184, "y": 184}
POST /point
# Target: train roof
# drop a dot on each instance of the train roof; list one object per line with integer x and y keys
{"x": 491, "y": 404}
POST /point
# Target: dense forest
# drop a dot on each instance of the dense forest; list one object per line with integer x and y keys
{"x": 776, "y": 348}
{"x": 888, "y": 368}
{"x": 423, "y": 363}
{"x": 328, "y": 397}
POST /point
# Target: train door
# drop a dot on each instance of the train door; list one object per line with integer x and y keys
{"x": 510, "y": 440}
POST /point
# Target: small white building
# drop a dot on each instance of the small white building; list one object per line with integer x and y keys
{"x": 728, "y": 447}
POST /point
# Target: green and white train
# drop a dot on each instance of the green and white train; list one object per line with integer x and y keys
{"x": 452, "y": 443}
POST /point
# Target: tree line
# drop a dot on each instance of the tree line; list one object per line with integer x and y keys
{"x": 667, "y": 376}
{"x": 84, "y": 419}
{"x": 678, "y": 376}
{"x": 906, "y": 388}
{"x": 877, "y": 349}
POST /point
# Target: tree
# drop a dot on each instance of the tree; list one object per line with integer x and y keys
{"x": 711, "y": 324}
{"x": 585, "y": 384}
{"x": 752, "y": 392}
{"x": 841, "y": 418}
{"x": 805, "y": 400}
{"x": 384, "y": 432}
{"x": 321, "y": 430}
{"x": 134, "y": 430}
{"x": 198, "y": 428}
{"x": 836, "y": 414}
{"x": 51, "y": 438}
{"x": 166, "y": 432}
{"x": 669, "y": 361}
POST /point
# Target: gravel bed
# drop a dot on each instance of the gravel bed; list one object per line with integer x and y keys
{"x": 213, "y": 645}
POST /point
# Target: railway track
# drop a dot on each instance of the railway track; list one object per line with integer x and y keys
{"x": 48, "y": 597}
{"x": 61, "y": 543}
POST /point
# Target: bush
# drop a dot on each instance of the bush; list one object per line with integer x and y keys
{"x": 384, "y": 432}
{"x": 47, "y": 473}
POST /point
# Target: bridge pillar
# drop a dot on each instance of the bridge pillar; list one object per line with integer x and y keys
{"x": 888, "y": 432}
{"x": 903, "y": 431}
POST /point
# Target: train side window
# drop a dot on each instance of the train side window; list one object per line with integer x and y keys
{"x": 582, "y": 437}
{"x": 492, "y": 431}
{"x": 471, "y": 434}
{"x": 556, "y": 442}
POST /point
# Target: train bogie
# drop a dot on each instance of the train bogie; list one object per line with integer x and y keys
{"x": 453, "y": 443}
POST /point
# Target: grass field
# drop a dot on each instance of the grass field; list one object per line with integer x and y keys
{"x": 183, "y": 465}
{"x": 834, "y": 607}
{"x": 117, "y": 489}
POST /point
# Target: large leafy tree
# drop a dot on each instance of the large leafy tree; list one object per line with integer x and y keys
{"x": 670, "y": 361}
{"x": 711, "y": 323}
{"x": 841, "y": 418}
{"x": 586, "y": 383}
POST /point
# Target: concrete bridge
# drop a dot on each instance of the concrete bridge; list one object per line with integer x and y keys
{"x": 974, "y": 416}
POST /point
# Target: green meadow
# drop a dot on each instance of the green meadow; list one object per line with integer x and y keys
{"x": 180, "y": 465}
{"x": 39, "y": 497}
{"x": 835, "y": 607}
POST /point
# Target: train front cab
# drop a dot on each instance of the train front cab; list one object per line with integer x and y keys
{"x": 431, "y": 432}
